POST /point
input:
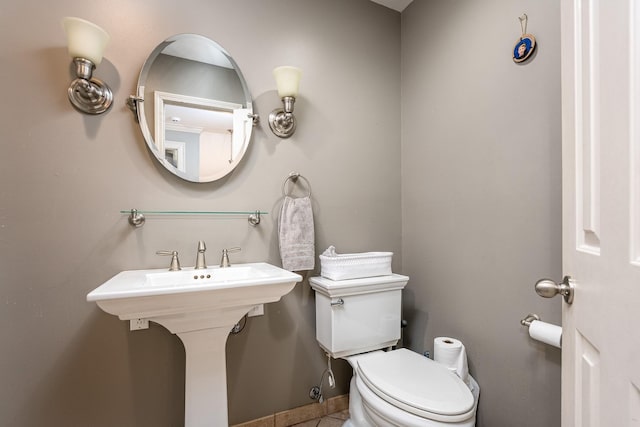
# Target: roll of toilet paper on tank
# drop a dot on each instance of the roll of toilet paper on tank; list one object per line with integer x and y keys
{"x": 451, "y": 353}
{"x": 546, "y": 333}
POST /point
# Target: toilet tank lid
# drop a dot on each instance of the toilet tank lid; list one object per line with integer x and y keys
{"x": 416, "y": 383}
{"x": 339, "y": 288}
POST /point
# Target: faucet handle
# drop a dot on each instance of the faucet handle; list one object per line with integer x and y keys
{"x": 175, "y": 262}
{"x": 224, "y": 262}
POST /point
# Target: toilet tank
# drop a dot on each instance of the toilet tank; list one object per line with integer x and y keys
{"x": 358, "y": 315}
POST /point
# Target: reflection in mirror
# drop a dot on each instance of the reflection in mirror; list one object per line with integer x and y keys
{"x": 200, "y": 121}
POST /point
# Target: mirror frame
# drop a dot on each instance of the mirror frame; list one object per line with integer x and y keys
{"x": 156, "y": 146}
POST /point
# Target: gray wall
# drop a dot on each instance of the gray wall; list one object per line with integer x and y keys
{"x": 66, "y": 176}
{"x": 480, "y": 201}
{"x": 481, "y": 195}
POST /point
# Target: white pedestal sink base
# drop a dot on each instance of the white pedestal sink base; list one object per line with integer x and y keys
{"x": 205, "y": 387}
{"x": 204, "y": 336}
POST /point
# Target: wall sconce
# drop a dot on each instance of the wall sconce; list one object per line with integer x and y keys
{"x": 86, "y": 42}
{"x": 282, "y": 121}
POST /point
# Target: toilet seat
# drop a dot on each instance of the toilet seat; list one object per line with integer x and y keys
{"x": 416, "y": 384}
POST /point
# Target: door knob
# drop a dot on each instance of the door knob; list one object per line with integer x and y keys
{"x": 547, "y": 288}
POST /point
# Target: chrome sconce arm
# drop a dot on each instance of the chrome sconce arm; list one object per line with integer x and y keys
{"x": 86, "y": 42}
{"x": 281, "y": 120}
{"x": 86, "y": 93}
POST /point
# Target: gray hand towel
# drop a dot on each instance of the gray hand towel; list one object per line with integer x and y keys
{"x": 296, "y": 234}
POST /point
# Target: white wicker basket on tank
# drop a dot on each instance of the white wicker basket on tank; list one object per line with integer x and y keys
{"x": 354, "y": 266}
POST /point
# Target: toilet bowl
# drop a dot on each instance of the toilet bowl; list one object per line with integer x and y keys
{"x": 357, "y": 318}
{"x": 403, "y": 388}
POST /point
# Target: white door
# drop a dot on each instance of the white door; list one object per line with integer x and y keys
{"x": 601, "y": 212}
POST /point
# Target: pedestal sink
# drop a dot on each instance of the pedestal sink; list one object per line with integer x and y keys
{"x": 200, "y": 306}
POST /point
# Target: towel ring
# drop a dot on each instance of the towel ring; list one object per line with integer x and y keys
{"x": 293, "y": 176}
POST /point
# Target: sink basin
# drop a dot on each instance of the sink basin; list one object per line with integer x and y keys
{"x": 200, "y": 306}
{"x": 142, "y": 294}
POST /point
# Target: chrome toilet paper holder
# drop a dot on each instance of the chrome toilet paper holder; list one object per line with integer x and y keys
{"x": 528, "y": 319}
{"x": 542, "y": 331}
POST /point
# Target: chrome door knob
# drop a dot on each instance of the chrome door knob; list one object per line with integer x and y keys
{"x": 547, "y": 288}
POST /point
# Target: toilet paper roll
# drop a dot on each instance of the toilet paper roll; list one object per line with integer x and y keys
{"x": 451, "y": 353}
{"x": 546, "y": 333}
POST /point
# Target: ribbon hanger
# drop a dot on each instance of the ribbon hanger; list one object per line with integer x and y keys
{"x": 523, "y": 23}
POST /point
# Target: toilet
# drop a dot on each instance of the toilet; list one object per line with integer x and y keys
{"x": 356, "y": 320}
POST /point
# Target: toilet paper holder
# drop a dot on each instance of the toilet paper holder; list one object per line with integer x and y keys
{"x": 542, "y": 331}
{"x": 528, "y": 319}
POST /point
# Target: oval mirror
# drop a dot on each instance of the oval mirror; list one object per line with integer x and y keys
{"x": 194, "y": 108}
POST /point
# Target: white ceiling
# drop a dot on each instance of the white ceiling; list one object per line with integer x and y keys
{"x": 190, "y": 119}
{"x": 398, "y": 5}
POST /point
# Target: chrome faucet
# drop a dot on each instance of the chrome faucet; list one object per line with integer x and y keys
{"x": 200, "y": 262}
{"x": 224, "y": 262}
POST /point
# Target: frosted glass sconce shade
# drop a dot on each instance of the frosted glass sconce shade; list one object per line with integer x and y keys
{"x": 86, "y": 43}
{"x": 282, "y": 121}
{"x": 85, "y": 39}
{"x": 287, "y": 80}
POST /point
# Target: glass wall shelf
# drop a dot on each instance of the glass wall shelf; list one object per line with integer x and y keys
{"x": 137, "y": 217}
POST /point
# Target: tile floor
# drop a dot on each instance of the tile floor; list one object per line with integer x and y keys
{"x": 333, "y": 412}
{"x": 332, "y": 420}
